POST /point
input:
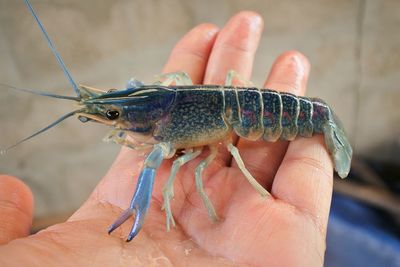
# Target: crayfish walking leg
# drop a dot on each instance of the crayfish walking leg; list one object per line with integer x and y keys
{"x": 168, "y": 189}
{"x": 235, "y": 153}
{"x": 199, "y": 183}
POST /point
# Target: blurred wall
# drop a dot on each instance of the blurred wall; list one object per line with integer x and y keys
{"x": 353, "y": 46}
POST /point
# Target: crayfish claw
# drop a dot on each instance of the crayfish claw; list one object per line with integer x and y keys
{"x": 137, "y": 225}
{"x": 142, "y": 197}
{"x": 139, "y": 205}
{"x": 121, "y": 219}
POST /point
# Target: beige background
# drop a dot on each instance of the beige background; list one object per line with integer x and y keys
{"x": 353, "y": 46}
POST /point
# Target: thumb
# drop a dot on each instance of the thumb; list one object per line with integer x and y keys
{"x": 16, "y": 208}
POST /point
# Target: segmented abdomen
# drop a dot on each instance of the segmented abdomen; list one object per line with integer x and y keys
{"x": 254, "y": 113}
{"x": 261, "y": 113}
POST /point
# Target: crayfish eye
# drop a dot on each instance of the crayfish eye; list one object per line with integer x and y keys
{"x": 112, "y": 114}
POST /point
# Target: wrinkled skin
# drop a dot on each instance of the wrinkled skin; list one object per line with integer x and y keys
{"x": 287, "y": 229}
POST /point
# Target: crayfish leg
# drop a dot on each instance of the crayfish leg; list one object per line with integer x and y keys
{"x": 177, "y": 78}
{"x": 235, "y": 153}
{"x": 234, "y": 78}
{"x": 134, "y": 83}
{"x": 168, "y": 189}
{"x": 120, "y": 137}
{"x": 199, "y": 183}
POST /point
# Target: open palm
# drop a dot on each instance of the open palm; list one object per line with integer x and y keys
{"x": 286, "y": 229}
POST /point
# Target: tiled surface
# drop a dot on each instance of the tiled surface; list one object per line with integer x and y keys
{"x": 353, "y": 46}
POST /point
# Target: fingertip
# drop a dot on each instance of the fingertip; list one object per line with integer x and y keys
{"x": 243, "y": 31}
{"x": 192, "y": 51}
{"x": 198, "y": 41}
{"x": 235, "y": 47}
{"x": 251, "y": 18}
{"x": 206, "y": 28}
{"x": 203, "y": 32}
{"x": 16, "y": 208}
{"x": 16, "y": 191}
{"x": 289, "y": 73}
{"x": 294, "y": 55}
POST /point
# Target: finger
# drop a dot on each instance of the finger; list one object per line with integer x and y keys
{"x": 305, "y": 179}
{"x": 190, "y": 55}
{"x": 192, "y": 52}
{"x": 16, "y": 208}
{"x": 289, "y": 73}
{"x": 297, "y": 180}
{"x": 235, "y": 47}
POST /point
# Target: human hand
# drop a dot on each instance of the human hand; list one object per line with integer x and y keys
{"x": 286, "y": 229}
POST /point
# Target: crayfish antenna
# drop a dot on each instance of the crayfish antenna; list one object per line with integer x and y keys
{"x": 51, "y": 125}
{"x": 41, "y": 93}
{"x": 53, "y": 49}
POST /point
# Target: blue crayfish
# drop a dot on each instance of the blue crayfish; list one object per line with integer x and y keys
{"x": 175, "y": 115}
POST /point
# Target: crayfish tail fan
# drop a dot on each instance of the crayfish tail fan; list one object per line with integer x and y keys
{"x": 338, "y": 145}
